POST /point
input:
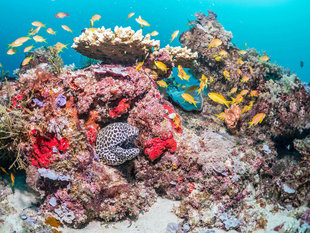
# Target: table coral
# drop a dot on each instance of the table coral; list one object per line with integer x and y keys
{"x": 124, "y": 45}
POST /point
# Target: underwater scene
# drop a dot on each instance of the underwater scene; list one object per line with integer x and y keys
{"x": 155, "y": 116}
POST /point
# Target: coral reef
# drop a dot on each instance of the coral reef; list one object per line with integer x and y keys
{"x": 67, "y": 127}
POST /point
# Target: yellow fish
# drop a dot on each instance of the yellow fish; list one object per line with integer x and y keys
{"x": 61, "y": 15}
{"x": 242, "y": 52}
{"x": 174, "y": 35}
{"x": 161, "y": 66}
{"x": 258, "y": 118}
{"x": 59, "y": 46}
{"x": 237, "y": 100}
{"x": 246, "y": 108}
{"x": 190, "y": 99}
{"x": 218, "y": 98}
{"x": 95, "y": 18}
{"x": 218, "y": 58}
{"x": 26, "y": 61}
{"x": 139, "y": 66}
{"x": 13, "y": 179}
{"x": 221, "y": 116}
{"x": 4, "y": 170}
{"x": 253, "y": 93}
{"x": 162, "y": 83}
{"x": 35, "y": 31}
{"x": 38, "y": 39}
{"x": 19, "y": 41}
{"x": 245, "y": 79}
{"x": 264, "y": 58}
{"x": 215, "y": 43}
{"x": 130, "y": 15}
{"x": 182, "y": 74}
{"x": 226, "y": 74}
{"x": 239, "y": 71}
{"x": 142, "y": 22}
{"x": 38, "y": 24}
{"x": 65, "y": 27}
{"x": 223, "y": 53}
{"x": 51, "y": 31}
{"x": 11, "y": 51}
{"x": 246, "y": 45}
{"x": 251, "y": 69}
{"x": 211, "y": 79}
{"x": 233, "y": 90}
{"x": 244, "y": 92}
{"x": 154, "y": 33}
{"x": 92, "y": 29}
{"x": 240, "y": 62}
{"x": 203, "y": 83}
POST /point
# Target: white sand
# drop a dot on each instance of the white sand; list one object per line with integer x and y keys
{"x": 153, "y": 221}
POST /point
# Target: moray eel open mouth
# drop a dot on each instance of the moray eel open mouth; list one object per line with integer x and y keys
{"x": 114, "y": 143}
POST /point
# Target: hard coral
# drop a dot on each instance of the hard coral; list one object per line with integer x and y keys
{"x": 124, "y": 45}
{"x": 155, "y": 147}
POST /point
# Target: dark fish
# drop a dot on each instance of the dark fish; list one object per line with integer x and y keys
{"x": 301, "y": 64}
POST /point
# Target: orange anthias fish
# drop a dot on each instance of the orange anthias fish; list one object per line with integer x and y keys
{"x": 221, "y": 116}
{"x": 215, "y": 43}
{"x": 258, "y": 118}
{"x": 51, "y": 31}
{"x": 244, "y": 92}
{"x": 162, "y": 83}
{"x": 218, "y": 98}
{"x": 251, "y": 69}
{"x": 13, "y": 179}
{"x": 245, "y": 79}
{"x": 161, "y": 66}
{"x": 59, "y": 46}
{"x": 264, "y": 58}
{"x": 61, "y": 15}
{"x": 93, "y": 19}
{"x": 233, "y": 90}
{"x": 174, "y": 35}
{"x": 203, "y": 83}
{"x": 240, "y": 62}
{"x": 28, "y": 48}
{"x": 11, "y": 51}
{"x": 130, "y": 15}
{"x": 226, "y": 74}
{"x": 223, "y": 53}
{"x": 182, "y": 74}
{"x": 237, "y": 100}
{"x": 4, "y": 170}
{"x": 38, "y": 24}
{"x": 65, "y": 27}
{"x": 26, "y": 60}
{"x": 190, "y": 99}
{"x": 139, "y": 66}
{"x": 38, "y": 39}
{"x": 142, "y": 22}
{"x": 18, "y": 42}
{"x": 154, "y": 33}
{"x": 253, "y": 93}
{"x": 35, "y": 31}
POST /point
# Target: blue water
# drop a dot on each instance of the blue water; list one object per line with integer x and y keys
{"x": 280, "y": 27}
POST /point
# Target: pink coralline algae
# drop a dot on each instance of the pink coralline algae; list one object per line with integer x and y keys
{"x": 155, "y": 147}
